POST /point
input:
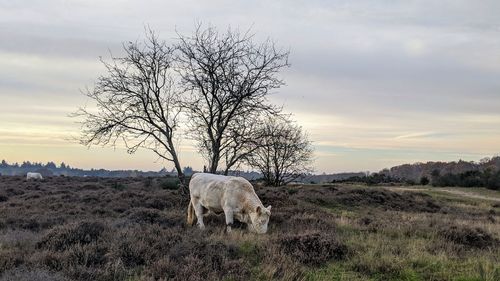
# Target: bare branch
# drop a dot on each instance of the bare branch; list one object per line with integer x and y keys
{"x": 283, "y": 153}
{"x": 228, "y": 78}
{"x": 136, "y": 102}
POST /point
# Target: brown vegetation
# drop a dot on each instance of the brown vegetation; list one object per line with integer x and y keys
{"x": 469, "y": 236}
{"x": 114, "y": 229}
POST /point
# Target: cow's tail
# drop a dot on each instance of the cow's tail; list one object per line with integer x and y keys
{"x": 190, "y": 214}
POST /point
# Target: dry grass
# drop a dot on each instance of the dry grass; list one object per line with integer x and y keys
{"x": 133, "y": 229}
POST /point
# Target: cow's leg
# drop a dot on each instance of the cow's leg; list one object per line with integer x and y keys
{"x": 198, "y": 210}
{"x": 228, "y": 212}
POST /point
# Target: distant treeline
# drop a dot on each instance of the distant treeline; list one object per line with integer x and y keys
{"x": 326, "y": 178}
{"x": 486, "y": 173}
{"x": 415, "y": 172}
{"x": 52, "y": 169}
{"x": 487, "y": 178}
{"x": 375, "y": 179}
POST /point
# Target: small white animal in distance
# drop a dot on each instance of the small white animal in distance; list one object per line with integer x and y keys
{"x": 35, "y": 176}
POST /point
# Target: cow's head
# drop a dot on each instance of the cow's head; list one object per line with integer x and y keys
{"x": 260, "y": 219}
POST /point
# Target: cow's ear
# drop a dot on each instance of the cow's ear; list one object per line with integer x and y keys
{"x": 269, "y": 208}
{"x": 258, "y": 210}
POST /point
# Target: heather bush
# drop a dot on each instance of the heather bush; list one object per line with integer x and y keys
{"x": 85, "y": 229}
{"x": 63, "y": 237}
{"x": 314, "y": 248}
{"x": 31, "y": 274}
{"x": 474, "y": 237}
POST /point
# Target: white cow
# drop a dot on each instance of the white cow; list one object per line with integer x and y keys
{"x": 234, "y": 196}
{"x": 35, "y": 176}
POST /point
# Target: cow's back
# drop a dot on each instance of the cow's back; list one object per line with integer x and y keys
{"x": 205, "y": 181}
{"x": 216, "y": 190}
{"x": 209, "y": 189}
{"x": 201, "y": 182}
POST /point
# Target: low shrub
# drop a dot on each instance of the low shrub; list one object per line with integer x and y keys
{"x": 469, "y": 236}
{"x": 61, "y": 238}
{"x": 148, "y": 182}
{"x": 170, "y": 184}
{"x": 118, "y": 186}
{"x": 31, "y": 274}
{"x": 313, "y": 249}
{"x": 373, "y": 197}
{"x": 151, "y": 216}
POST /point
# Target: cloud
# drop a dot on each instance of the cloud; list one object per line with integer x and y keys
{"x": 419, "y": 135}
{"x": 375, "y": 83}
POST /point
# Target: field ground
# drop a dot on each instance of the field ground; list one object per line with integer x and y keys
{"x": 134, "y": 229}
{"x": 475, "y": 193}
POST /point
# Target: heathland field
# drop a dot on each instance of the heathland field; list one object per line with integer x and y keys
{"x": 65, "y": 228}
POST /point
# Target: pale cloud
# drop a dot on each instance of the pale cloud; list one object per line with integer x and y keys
{"x": 415, "y": 47}
{"x": 375, "y": 83}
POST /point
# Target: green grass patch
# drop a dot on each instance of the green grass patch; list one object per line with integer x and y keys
{"x": 333, "y": 272}
{"x": 250, "y": 251}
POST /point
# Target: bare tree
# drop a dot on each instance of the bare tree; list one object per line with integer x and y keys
{"x": 136, "y": 102}
{"x": 242, "y": 140}
{"x": 284, "y": 152}
{"x": 227, "y": 78}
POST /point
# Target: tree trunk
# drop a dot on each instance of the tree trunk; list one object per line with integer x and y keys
{"x": 183, "y": 184}
{"x": 214, "y": 163}
{"x": 226, "y": 171}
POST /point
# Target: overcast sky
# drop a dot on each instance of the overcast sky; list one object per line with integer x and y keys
{"x": 375, "y": 83}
